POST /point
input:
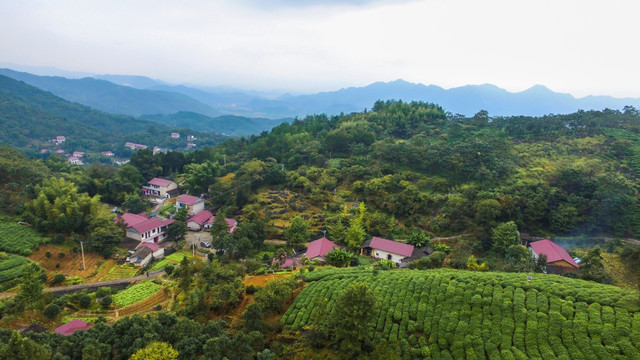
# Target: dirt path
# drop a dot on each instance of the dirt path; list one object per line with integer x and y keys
{"x": 92, "y": 285}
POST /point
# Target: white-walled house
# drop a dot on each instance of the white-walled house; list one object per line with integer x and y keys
{"x": 145, "y": 252}
{"x": 138, "y": 227}
{"x": 194, "y": 204}
{"x": 160, "y": 187}
{"x": 204, "y": 220}
{"x": 380, "y": 248}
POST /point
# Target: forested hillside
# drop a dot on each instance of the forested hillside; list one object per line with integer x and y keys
{"x": 30, "y": 117}
{"x": 414, "y": 165}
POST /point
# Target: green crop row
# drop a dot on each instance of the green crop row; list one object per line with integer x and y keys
{"x": 18, "y": 239}
{"x": 460, "y": 314}
{"x": 135, "y": 293}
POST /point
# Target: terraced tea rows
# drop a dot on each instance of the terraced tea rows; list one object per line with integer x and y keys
{"x": 444, "y": 314}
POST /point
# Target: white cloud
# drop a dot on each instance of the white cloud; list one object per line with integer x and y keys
{"x": 581, "y": 47}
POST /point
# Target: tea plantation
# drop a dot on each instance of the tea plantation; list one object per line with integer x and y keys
{"x": 448, "y": 314}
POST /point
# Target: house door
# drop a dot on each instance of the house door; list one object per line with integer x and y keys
{"x": 155, "y": 239}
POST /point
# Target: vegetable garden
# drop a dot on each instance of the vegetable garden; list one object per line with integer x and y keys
{"x": 18, "y": 239}
{"x": 448, "y": 314}
{"x": 10, "y": 269}
{"x": 135, "y": 293}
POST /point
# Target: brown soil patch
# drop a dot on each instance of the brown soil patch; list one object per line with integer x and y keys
{"x": 71, "y": 264}
{"x": 261, "y": 280}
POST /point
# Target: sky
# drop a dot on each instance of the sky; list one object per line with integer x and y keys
{"x": 303, "y": 46}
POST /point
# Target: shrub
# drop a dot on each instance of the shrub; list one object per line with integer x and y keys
{"x": 106, "y": 301}
{"x": 61, "y": 255}
{"x": 251, "y": 289}
{"x": 169, "y": 269}
{"x": 59, "y": 279}
{"x": 48, "y": 254}
{"x": 103, "y": 291}
{"x": 58, "y": 239}
{"x": 52, "y": 311}
{"x": 57, "y": 265}
{"x": 84, "y": 301}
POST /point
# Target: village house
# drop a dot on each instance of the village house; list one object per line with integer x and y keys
{"x": 175, "y": 135}
{"x": 78, "y": 154}
{"x": 161, "y": 188}
{"x": 158, "y": 150}
{"x": 145, "y": 252}
{"x": 58, "y": 140}
{"x": 141, "y": 228}
{"x": 43, "y": 151}
{"x": 71, "y": 327}
{"x": 558, "y": 259}
{"x": 380, "y": 248}
{"x": 59, "y": 152}
{"x": 194, "y": 204}
{"x": 73, "y": 160}
{"x": 134, "y": 146}
{"x": 204, "y": 219}
{"x": 190, "y": 137}
{"x": 317, "y": 249}
{"x": 107, "y": 154}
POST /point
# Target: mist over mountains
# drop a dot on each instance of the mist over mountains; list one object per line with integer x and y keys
{"x": 142, "y": 96}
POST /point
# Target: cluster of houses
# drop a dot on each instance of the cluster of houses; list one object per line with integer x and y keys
{"x": 150, "y": 231}
{"x": 558, "y": 260}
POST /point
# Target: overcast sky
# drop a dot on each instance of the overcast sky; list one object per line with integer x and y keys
{"x": 581, "y": 47}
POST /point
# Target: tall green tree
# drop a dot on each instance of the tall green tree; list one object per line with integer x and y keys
{"x": 156, "y": 351}
{"x": 20, "y": 348}
{"x": 592, "y": 267}
{"x": 297, "y": 233}
{"x": 198, "y": 177}
{"x": 504, "y": 236}
{"x": 31, "y": 286}
{"x": 350, "y": 320}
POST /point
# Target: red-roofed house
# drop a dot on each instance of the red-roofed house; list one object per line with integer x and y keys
{"x": 44, "y": 151}
{"x": 317, "y": 249}
{"x": 58, "y": 140}
{"x": 288, "y": 262}
{"x": 73, "y": 160}
{"x": 148, "y": 230}
{"x": 71, "y": 327}
{"x": 175, "y": 135}
{"x": 195, "y": 204}
{"x": 160, "y": 187}
{"x": 78, "y": 154}
{"x": 558, "y": 259}
{"x": 380, "y": 248}
{"x": 204, "y": 219}
{"x": 108, "y": 153}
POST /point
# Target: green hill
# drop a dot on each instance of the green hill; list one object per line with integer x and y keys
{"x": 228, "y": 124}
{"x": 30, "y": 117}
{"x": 445, "y": 314}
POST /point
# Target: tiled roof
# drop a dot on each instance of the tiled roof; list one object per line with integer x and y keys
{"x": 133, "y": 219}
{"x": 202, "y": 217}
{"x": 231, "y": 223}
{"x": 151, "y": 246}
{"x": 553, "y": 251}
{"x": 320, "y": 247}
{"x": 189, "y": 200}
{"x": 70, "y": 327}
{"x": 151, "y": 224}
{"x": 391, "y": 246}
{"x": 160, "y": 182}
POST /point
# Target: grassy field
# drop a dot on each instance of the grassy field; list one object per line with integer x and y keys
{"x": 18, "y": 239}
{"x": 448, "y": 314}
{"x": 174, "y": 258}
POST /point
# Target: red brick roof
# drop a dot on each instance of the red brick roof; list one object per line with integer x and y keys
{"x": 553, "y": 251}
{"x": 391, "y": 246}
{"x": 189, "y": 200}
{"x": 160, "y": 182}
{"x": 320, "y": 248}
{"x": 71, "y": 327}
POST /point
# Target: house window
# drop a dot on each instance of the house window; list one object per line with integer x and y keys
{"x": 389, "y": 257}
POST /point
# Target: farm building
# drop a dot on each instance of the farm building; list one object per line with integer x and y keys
{"x": 317, "y": 249}
{"x": 161, "y": 188}
{"x": 145, "y": 252}
{"x": 140, "y": 228}
{"x": 558, "y": 259}
{"x": 71, "y": 327}
{"x": 194, "y": 204}
{"x": 380, "y": 248}
{"x": 204, "y": 219}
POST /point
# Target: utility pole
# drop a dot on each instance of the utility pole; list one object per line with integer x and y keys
{"x": 224, "y": 156}
{"x": 82, "y": 248}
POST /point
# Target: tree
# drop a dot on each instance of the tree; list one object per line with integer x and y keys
{"x": 219, "y": 227}
{"x": 297, "y": 233}
{"x": 252, "y": 318}
{"x": 350, "y": 319}
{"x": 51, "y": 311}
{"x": 19, "y": 348}
{"x": 135, "y": 204}
{"x": 177, "y": 229}
{"x": 591, "y": 266}
{"x": 339, "y": 257}
{"x": 198, "y": 177}
{"x": 505, "y": 235}
{"x": 418, "y": 239}
{"x": 104, "y": 234}
{"x": 155, "y": 351}
{"x": 30, "y": 289}
{"x": 275, "y": 294}
{"x": 106, "y": 301}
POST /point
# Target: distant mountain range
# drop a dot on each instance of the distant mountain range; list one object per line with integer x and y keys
{"x": 139, "y": 95}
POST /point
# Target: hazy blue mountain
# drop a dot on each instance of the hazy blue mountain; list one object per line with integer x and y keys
{"x": 117, "y": 99}
{"x": 231, "y": 125}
